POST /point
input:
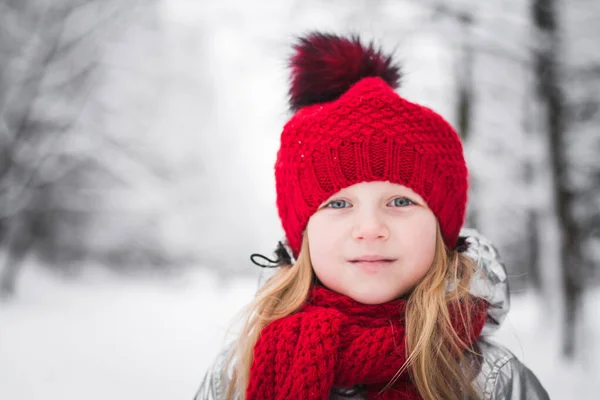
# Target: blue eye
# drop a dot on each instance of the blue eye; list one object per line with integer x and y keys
{"x": 338, "y": 204}
{"x": 402, "y": 202}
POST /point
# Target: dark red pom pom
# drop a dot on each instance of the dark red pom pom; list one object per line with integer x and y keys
{"x": 324, "y": 66}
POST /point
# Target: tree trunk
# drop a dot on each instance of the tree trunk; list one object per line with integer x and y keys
{"x": 18, "y": 242}
{"x": 533, "y": 250}
{"x": 464, "y": 111}
{"x": 551, "y": 96}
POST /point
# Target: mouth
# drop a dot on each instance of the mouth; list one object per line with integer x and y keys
{"x": 372, "y": 266}
{"x": 372, "y": 262}
{"x": 372, "y": 259}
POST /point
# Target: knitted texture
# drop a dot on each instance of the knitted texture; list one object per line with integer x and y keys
{"x": 369, "y": 133}
{"x": 335, "y": 341}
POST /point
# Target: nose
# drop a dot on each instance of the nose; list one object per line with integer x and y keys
{"x": 370, "y": 226}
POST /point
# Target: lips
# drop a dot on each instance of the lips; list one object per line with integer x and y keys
{"x": 372, "y": 259}
{"x": 372, "y": 264}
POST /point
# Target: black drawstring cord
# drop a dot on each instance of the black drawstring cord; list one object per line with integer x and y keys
{"x": 283, "y": 258}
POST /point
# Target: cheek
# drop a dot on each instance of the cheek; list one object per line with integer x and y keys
{"x": 427, "y": 237}
{"x": 318, "y": 255}
{"x": 323, "y": 233}
{"x": 324, "y": 242}
{"x": 317, "y": 235}
{"x": 418, "y": 240}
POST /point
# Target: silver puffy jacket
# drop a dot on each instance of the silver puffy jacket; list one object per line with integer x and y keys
{"x": 501, "y": 376}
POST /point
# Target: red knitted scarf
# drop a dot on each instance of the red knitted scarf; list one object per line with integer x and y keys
{"x": 335, "y": 341}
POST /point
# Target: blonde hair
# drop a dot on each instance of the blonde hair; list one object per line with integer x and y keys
{"x": 436, "y": 360}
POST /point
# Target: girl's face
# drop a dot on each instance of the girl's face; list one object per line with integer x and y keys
{"x": 373, "y": 241}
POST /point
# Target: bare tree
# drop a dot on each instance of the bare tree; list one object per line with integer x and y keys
{"x": 465, "y": 91}
{"x": 551, "y": 96}
{"x": 582, "y": 88}
{"x": 49, "y": 69}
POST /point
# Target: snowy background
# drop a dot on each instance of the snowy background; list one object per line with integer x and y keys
{"x": 145, "y": 179}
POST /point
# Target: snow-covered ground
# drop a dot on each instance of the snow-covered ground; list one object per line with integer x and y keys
{"x": 104, "y": 337}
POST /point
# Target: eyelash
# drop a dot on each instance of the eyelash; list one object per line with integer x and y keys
{"x": 328, "y": 205}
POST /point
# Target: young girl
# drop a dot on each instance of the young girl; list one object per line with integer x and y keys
{"x": 375, "y": 295}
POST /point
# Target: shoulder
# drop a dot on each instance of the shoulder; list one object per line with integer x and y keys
{"x": 504, "y": 376}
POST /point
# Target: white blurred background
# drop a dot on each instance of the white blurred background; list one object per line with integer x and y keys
{"x": 137, "y": 143}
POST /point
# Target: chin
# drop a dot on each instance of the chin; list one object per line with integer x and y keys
{"x": 374, "y": 297}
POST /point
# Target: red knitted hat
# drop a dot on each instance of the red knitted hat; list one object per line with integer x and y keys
{"x": 350, "y": 126}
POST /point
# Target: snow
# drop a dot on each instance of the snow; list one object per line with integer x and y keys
{"x": 110, "y": 338}
{"x": 103, "y": 337}
{"x": 529, "y": 333}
